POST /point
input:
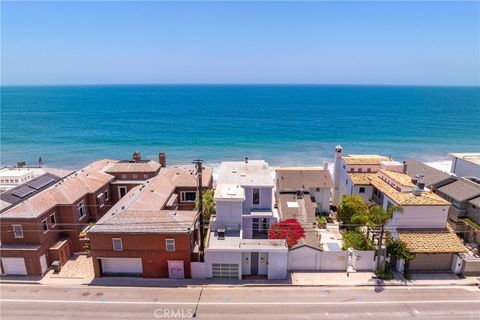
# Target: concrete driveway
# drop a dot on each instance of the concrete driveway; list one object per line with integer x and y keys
{"x": 77, "y": 270}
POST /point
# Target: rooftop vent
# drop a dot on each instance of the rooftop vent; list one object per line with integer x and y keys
{"x": 421, "y": 185}
{"x": 221, "y": 234}
{"x": 419, "y": 176}
{"x": 414, "y": 181}
{"x": 416, "y": 191}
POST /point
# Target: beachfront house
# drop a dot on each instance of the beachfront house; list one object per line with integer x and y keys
{"x": 465, "y": 164}
{"x": 351, "y": 174}
{"x": 237, "y": 244}
{"x": 421, "y": 223}
{"x": 149, "y": 233}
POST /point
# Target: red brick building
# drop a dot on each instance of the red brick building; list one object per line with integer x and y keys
{"x": 47, "y": 226}
{"x": 151, "y": 231}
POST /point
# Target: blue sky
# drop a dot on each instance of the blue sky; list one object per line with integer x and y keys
{"x": 432, "y": 43}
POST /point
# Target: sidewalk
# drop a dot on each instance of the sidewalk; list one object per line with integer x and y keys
{"x": 305, "y": 279}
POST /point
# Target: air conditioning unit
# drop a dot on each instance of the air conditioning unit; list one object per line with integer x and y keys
{"x": 221, "y": 234}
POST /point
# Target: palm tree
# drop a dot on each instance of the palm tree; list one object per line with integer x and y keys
{"x": 378, "y": 217}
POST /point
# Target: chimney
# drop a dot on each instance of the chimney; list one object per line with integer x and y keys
{"x": 136, "y": 156}
{"x": 404, "y": 167}
{"x": 246, "y": 159}
{"x": 325, "y": 165}
{"x": 162, "y": 159}
{"x": 421, "y": 185}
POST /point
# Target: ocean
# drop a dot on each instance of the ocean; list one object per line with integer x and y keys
{"x": 287, "y": 125}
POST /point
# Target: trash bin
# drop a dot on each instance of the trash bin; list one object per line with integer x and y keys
{"x": 56, "y": 266}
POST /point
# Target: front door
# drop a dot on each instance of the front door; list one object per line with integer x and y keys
{"x": 254, "y": 270}
{"x": 175, "y": 270}
{"x": 43, "y": 263}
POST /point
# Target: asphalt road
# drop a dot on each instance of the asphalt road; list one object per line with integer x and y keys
{"x": 42, "y": 302}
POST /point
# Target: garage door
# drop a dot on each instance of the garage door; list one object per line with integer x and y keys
{"x": 225, "y": 271}
{"x": 14, "y": 266}
{"x": 122, "y": 266}
{"x": 432, "y": 262}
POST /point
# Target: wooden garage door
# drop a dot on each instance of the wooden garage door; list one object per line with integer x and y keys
{"x": 14, "y": 266}
{"x": 432, "y": 262}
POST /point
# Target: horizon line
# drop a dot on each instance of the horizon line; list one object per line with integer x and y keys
{"x": 237, "y": 84}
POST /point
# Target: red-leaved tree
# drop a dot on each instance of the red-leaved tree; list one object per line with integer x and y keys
{"x": 289, "y": 229}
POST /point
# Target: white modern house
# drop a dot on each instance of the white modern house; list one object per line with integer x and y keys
{"x": 237, "y": 244}
{"x": 466, "y": 164}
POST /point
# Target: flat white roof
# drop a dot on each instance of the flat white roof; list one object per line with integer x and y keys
{"x": 229, "y": 191}
{"x": 473, "y": 157}
{"x": 254, "y": 173}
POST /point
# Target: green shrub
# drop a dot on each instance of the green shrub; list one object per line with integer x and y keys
{"x": 321, "y": 221}
{"x": 357, "y": 240}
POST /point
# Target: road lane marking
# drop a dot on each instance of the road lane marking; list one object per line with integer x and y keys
{"x": 239, "y": 303}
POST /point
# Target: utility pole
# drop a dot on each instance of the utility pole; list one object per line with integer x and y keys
{"x": 380, "y": 251}
{"x": 198, "y": 165}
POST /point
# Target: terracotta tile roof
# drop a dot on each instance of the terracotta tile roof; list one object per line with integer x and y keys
{"x": 401, "y": 178}
{"x": 443, "y": 241}
{"x": 427, "y": 198}
{"x": 364, "y": 159}
{"x": 289, "y": 179}
{"x": 129, "y": 166}
{"x": 75, "y": 186}
{"x": 361, "y": 178}
{"x": 142, "y": 209}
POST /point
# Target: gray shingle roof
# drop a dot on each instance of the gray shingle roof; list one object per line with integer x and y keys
{"x": 431, "y": 176}
{"x": 461, "y": 190}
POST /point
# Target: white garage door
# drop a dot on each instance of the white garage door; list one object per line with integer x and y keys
{"x": 224, "y": 270}
{"x": 14, "y": 266}
{"x": 127, "y": 266}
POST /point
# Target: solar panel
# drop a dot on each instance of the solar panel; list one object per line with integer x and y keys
{"x": 40, "y": 182}
{"x": 22, "y": 191}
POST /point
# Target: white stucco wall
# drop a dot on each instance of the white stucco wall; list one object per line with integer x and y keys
{"x": 367, "y": 195}
{"x": 263, "y": 263}
{"x": 266, "y": 196}
{"x": 228, "y": 213}
{"x": 322, "y": 197}
{"x": 277, "y": 265}
{"x": 428, "y": 217}
{"x": 304, "y": 259}
{"x": 212, "y": 257}
{"x": 246, "y": 263}
{"x": 365, "y": 261}
{"x": 333, "y": 261}
{"x": 464, "y": 168}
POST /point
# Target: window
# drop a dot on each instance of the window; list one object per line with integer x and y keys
{"x": 45, "y": 226}
{"x": 170, "y": 244}
{"x": 145, "y": 176}
{"x": 53, "y": 219}
{"x": 101, "y": 201}
{"x": 369, "y": 170}
{"x": 343, "y": 166}
{"x": 134, "y": 176}
{"x": 17, "y": 231}
{"x": 107, "y": 194}
{"x": 352, "y": 169}
{"x": 81, "y": 210}
{"x": 124, "y": 176}
{"x": 346, "y": 181}
{"x": 359, "y": 169}
{"x": 256, "y": 196}
{"x": 122, "y": 191}
{"x": 361, "y": 190}
{"x": 117, "y": 244}
{"x": 188, "y": 196}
